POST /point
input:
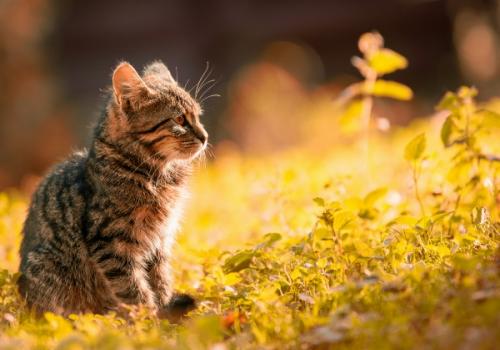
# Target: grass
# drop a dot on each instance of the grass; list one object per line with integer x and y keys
{"x": 308, "y": 249}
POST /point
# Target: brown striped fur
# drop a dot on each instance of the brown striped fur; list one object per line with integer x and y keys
{"x": 101, "y": 224}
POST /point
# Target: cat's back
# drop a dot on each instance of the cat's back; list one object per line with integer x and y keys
{"x": 54, "y": 215}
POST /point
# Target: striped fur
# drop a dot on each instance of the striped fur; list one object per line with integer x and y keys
{"x": 101, "y": 225}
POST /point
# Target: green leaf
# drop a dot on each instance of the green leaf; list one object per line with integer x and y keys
{"x": 440, "y": 250}
{"x": 448, "y": 102}
{"x": 342, "y": 219}
{"x": 296, "y": 273}
{"x": 415, "y": 148}
{"x": 374, "y": 196}
{"x": 446, "y": 131}
{"x": 272, "y": 237}
{"x": 350, "y": 120}
{"x": 231, "y": 279}
{"x": 319, "y": 201}
{"x": 467, "y": 92}
{"x": 386, "y": 61}
{"x": 392, "y": 89}
{"x": 322, "y": 233}
{"x": 436, "y": 217}
{"x": 490, "y": 119}
{"x": 322, "y": 263}
{"x": 208, "y": 327}
{"x": 269, "y": 240}
{"x": 239, "y": 261}
{"x": 363, "y": 249}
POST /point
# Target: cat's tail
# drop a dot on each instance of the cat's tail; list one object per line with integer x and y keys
{"x": 178, "y": 307}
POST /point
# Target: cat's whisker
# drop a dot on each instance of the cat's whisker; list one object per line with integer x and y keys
{"x": 186, "y": 84}
{"x": 207, "y": 86}
{"x": 190, "y": 90}
{"x": 209, "y": 151}
{"x": 206, "y": 73}
{"x": 209, "y": 96}
{"x": 206, "y": 83}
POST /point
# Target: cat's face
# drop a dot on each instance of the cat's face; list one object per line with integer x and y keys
{"x": 156, "y": 114}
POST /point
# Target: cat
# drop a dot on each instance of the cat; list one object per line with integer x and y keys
{"x": 100, "y": 227}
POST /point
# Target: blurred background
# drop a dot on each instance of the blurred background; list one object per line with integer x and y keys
{"x": 278, "y": 65}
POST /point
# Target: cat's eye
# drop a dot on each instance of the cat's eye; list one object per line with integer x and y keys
{"x": 180, "y": 119}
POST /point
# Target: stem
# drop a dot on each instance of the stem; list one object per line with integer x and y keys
{"x": 417, "y": 192}
{"x": 457, "y": 203}
{"x": 468, "y": 110}
{"x": 467, "y": 121}
{"x": 489, "y": 157}
{"x": 366, "y": 113}
{"x": 336, "y": 237}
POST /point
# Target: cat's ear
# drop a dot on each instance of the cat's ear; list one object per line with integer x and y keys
{"x": 127, "y": 84}
{"x": 158, "y": 69}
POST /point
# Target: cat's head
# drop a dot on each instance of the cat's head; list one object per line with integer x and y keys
{"x": 152, "y": 112}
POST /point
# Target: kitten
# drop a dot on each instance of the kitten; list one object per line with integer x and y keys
{"x": 101, "y": 225}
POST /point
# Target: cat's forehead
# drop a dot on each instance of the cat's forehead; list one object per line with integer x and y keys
{"x": 172, "y": 96}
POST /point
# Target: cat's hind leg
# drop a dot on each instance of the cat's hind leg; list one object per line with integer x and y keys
{"x": 64, "y": 286}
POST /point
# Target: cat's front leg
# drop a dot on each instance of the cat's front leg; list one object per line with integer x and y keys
{"x": 128, "y": 279}
{"x": 160, "y": 278}
{"x": 141, "y": 290}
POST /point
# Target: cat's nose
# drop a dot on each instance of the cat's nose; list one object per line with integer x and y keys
{"x": 202, "y": 136}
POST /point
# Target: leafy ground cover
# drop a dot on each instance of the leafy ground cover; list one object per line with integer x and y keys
{"x": 394, "y": 245}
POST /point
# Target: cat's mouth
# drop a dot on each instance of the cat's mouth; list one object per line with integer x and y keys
{"x": 193, "y": 150}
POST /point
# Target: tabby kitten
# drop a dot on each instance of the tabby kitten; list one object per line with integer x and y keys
{"x": 100, "y": 226}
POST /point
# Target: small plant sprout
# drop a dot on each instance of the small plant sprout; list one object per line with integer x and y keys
{"x": 414, "y": 153}
{"x": 356, "y": 101}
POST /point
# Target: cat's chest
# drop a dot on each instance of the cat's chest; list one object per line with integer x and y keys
{"x": 155, "y": 225}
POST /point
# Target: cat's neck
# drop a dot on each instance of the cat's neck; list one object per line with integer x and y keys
{"x": 134, "y": 188}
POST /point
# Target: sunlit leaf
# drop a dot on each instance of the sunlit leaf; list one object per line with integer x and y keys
{"x": 405, "y": 220}
{"x": 364, "y": 249}
{"x": 352, "y": 203}
{"x": 441, "y": 250}
{"x": 392, "y": 89}
{"x": 374, "y": 196}
{"x": 322, "y": 233}
{"x": 319, "y": 201}
{"x": 386, "y": 61}
{"x": 269, "y": 240}
{"x": 209, "y": 327}
{"x": 342, "y": 219}
{"x": 231, "y": 279}
{"x": 296, "y": 273}
{"x": 415, "y": 148}
{"x": 448, "y": 102}
{"x": 446, "y": 131}
{"x": 260, "y": 335}
{"x": 489, "y": 119}
{"x": 322, "y": 263}
{"x": 439, "y": 216}
{"x": 465, "y": 92}
{"x": 350, "y": 119}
